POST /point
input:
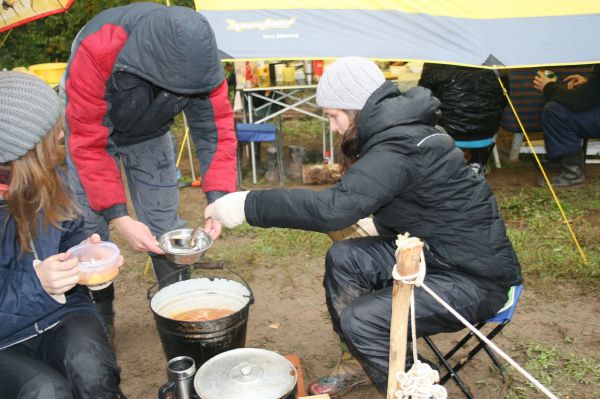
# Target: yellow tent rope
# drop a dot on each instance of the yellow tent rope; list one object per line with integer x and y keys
{"x": 5, "y": 38}
{"x": 560, "y": 208}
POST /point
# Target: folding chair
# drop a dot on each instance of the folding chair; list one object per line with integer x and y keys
{"x": 258, "y": 132}
{"x": 488, "y": 144}
{"x": 502, "y": 318}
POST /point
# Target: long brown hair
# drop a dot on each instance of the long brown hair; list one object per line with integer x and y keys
{"x": 36, "y": 188}
{"x": 349, "y": 141}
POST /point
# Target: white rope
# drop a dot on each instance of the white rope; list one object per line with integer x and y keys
{"x": 420, "y": 382}
{"x": 417, "y": 381}
{"x": 490, "y": 343}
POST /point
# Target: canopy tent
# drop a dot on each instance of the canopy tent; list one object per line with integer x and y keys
{"x": 18, "y": 12}
{"x": 483, "y": 33}
{"x": 500, "y": 33}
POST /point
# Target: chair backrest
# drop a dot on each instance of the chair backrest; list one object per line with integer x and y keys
{"x": 506, "y": 313}
{"x": 527, "y": 101}
{"x": 483, "y": 143}
{"x": 255, "y": 132}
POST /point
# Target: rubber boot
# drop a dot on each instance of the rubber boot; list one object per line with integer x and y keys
{"x": 347, "y": 375}
{"x": 296, "y": 162}
{"x": 104, "y": 302}
{"x": 571, "y": 171}
{"x": 165, "y": 271}
{"x": 272, "y": 174}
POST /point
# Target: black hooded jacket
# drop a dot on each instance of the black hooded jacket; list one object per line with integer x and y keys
{"x": 412, "y": 178}
{"x": 472, "y": 99}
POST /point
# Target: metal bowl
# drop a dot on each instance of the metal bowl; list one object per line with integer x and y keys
{"x": 175, "y": 243}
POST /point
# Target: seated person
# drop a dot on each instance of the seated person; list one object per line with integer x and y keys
{"x": 398, "y": 167}
{"x": 472, "y": 103}
{"x": 52, "y": 342}
{"x": 571, "y": 113}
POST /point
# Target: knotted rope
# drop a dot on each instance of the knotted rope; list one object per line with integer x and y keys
{"x": 418, "y": 380}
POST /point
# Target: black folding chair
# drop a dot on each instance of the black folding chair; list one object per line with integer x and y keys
{"x": 502, "y": 318}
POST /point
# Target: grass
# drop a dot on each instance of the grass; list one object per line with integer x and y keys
{"x": 553, "y": 366}
{"x": 543, "y": 244}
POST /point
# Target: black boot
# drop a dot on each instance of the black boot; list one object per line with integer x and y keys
{"x": 164, "y": 270}
{"x": 104, "y": 301}
{"x": 571, "y": 171}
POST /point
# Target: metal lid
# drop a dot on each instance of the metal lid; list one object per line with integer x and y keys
{"x": 246, "y": 373}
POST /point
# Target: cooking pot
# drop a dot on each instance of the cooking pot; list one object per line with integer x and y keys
{"x": 201, "y": 339}
{"x": 246, "y": 373}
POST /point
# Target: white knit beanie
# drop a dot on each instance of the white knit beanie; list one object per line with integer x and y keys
{"x": 348, "y": 83}
{"x": 29, "y": 108}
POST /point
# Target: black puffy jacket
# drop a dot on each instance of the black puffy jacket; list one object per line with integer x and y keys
{"x": 472, "y": 99}
{"x": 412, "y": 178}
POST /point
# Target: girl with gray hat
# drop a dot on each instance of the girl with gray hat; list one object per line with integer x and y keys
{"x": 406, "y": 172}
{"x": 52, "y": 342}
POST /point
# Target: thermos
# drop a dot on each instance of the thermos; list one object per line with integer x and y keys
{"x": 308, "y": 71}
{"x": 180, "y": 370}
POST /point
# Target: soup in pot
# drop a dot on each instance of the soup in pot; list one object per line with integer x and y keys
{"x": 202, "y": 314}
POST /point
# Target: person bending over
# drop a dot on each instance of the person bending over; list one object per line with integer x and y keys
{"x": 131, "y": 70}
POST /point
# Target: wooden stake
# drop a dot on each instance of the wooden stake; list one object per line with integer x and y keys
{"x": 407, "y": 264}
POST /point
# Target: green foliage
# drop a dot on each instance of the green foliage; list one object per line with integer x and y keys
{"x": 550, "y": 365}
{"x": 49, "y": 39}
{"x": 537, "y": 231}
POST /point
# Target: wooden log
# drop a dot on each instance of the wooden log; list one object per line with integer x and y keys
{"x": 408, "y": 258}
{"x": 321, "y": 174}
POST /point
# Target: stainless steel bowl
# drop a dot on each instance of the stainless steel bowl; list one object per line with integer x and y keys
{"x": 175, "y": 243}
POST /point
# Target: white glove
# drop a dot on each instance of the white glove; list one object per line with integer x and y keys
{"x": 229, "y": 209}
{"x": 368, "y": 226}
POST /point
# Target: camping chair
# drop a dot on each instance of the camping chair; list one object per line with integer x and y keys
{"x": 489, "y": 147}
{"x": 529, "y": 104}
{"x": 261, "y": 132}
{"x": 502, "y": 318}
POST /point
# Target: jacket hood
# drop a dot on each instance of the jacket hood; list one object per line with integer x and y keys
{"x": 388, "y": 107}
{"x": 174, "y": 49}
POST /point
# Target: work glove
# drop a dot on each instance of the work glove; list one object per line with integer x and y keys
{"x": 368, "y": 226}
{"x": 228, "y": 209}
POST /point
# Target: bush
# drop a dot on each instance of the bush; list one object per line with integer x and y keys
{"x": 49, "y": 39}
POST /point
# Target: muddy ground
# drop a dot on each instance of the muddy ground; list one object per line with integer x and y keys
{"x": 564, "y": 315}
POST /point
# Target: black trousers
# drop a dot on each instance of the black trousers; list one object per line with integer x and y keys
{"x": 70, "y": 361}
{"x": 358, "y": 285}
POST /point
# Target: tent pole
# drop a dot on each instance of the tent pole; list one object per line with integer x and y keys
{"x": 537, "y": 160}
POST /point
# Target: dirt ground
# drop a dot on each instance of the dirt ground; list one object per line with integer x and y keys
{"x": 292, "y": 296}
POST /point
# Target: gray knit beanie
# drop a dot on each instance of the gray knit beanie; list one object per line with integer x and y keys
{"x": 29, "y": 108}
{"x": 348, "y": 83}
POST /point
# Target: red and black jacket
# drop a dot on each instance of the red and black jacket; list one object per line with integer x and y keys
{"x": 131, "y": 70}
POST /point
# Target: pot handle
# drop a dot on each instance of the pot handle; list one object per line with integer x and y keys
{"x": 209, "y": 265}
{"x": 165, "y": 389}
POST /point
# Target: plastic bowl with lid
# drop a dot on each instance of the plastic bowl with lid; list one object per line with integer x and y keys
{"x": 98, "y": 263}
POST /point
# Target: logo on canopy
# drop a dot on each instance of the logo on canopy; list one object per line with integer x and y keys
{"x": 266, "y": 24}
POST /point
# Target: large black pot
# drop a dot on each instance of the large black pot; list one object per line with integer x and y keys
{"x": 201, "y": 340}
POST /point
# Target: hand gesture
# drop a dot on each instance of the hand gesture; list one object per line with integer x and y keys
{"x": 573, "y": 81}
{"x": 58, "y": 273}
{"x": 95, "y": 239}
{"x": 228, "y": 209}
{"x": 213, "y": 227}
{"x": 137, "y": 234}
{"x": 540, "y": 81}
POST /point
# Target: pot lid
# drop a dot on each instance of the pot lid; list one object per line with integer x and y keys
{"x": 245, "y": 373}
